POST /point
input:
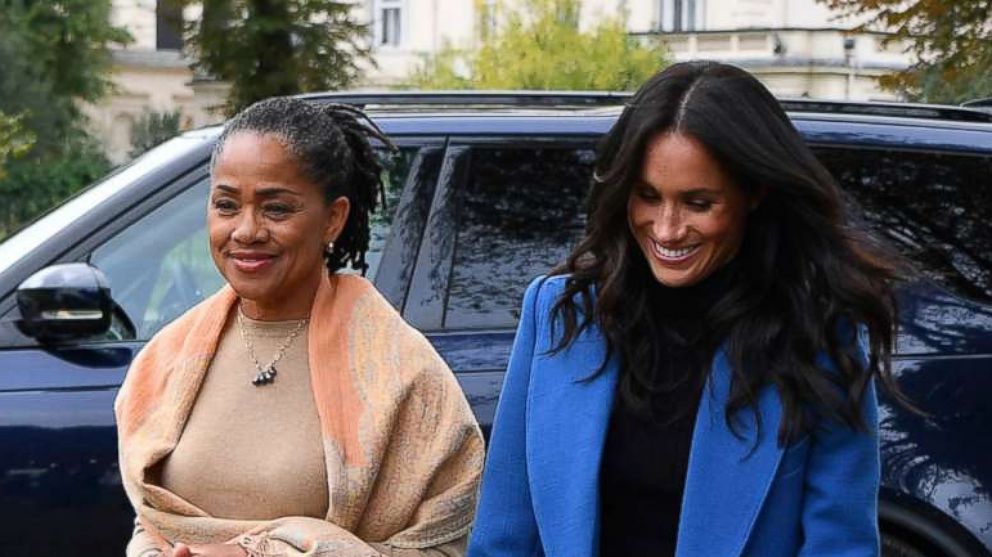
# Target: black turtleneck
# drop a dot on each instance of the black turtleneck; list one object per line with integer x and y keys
{"x": 646, "y": 454}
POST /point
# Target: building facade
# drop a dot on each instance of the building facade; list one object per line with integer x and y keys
{"x": 798, "y": 48}
{"x": 151, "y": 75}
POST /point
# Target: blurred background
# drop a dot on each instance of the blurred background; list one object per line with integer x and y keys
{"x": 87, "y": 85}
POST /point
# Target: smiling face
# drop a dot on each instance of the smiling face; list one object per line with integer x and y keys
{"x": 686, "y": 214}
{"x": 269, "y": 225}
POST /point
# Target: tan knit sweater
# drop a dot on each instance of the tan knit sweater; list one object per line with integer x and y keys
{"x": 247, "y": 452}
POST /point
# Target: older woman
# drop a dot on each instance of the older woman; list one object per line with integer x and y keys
{"x": 294, "y": 412}
{"x": 693, "y": 380}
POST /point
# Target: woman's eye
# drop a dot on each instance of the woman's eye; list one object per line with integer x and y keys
{"x": 700, "y": 205}
{"x": 225, "y": 206}
{"x": 278, "y": 209}
{"x": 647, "y": 194}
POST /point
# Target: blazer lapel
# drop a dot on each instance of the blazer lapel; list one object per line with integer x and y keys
{"x": 729, "y": 475}
{"x": 568, "y": 415}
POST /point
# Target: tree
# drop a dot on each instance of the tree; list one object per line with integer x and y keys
{"x": 35, "y": 185}
{"x": 952, "y": 43}
{"x": 265, "y": 48}
{"x": 54, "y": 55}
{"x": 15, "y": 141}
{"x": 541, "y": 46}
{"x": 151, "y": 129}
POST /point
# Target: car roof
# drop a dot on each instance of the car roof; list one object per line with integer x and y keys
{"x": 394, "y": 100}
{"x": 869, "y": 125}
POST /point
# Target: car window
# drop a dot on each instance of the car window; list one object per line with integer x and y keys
{"x": 160, "y": 266}
{"x": 520, "y": 213}
{"x": 16, "y": 247}
{"x": 935, "y": 208}
{"x": 396, "y": 167}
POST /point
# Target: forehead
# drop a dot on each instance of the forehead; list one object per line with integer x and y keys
{"x": 249, "y": 161}
{"x": 262, "y": 149}
{"x": 677, "y": 161}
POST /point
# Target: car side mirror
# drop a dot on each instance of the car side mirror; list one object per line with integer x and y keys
{"x": 65, "y": 302}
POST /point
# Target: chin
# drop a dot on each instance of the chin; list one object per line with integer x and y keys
{"x": 250, "y": 289}
{"x": 250, "y": 292}
{"x": 677, "y": 283}
{"x": 677, "y": 280}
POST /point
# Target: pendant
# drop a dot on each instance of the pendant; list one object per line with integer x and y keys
{"x": 265, "y": 377}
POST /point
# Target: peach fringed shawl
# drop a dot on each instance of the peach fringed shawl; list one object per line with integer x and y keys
{"x": 403, "y": 451}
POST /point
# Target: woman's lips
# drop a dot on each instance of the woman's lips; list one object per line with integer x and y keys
{"x": 252, "y": 263}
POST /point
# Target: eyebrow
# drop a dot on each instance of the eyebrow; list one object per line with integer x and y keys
{"x": 271, "y": 191}
{"x": 694, "y": 191}
{"x": 703, "y": 190}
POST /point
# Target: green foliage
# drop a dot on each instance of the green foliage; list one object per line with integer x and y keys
{"x": 15, "y": 141}
{"x": 265, "y": 48}
{"x": 542, "y": 47}
{"x": 53, "y": 55}
{"x": 151, "y": 129}
{"x": 450, "y": 68}
{"x": 67, "y": 40}
{"x": 951, "y": 41}
{"x": 33, "y": 186}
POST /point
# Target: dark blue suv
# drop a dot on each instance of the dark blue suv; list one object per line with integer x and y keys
{"x": 485, "y": 192}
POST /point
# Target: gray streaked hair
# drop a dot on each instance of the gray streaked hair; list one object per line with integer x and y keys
{"x": 332, "y": 143}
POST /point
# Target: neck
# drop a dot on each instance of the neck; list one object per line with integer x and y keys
{"x": 295, "y": 305}
{"x": 691, "y": 301}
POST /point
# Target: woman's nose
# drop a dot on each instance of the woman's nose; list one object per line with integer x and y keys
{"x": 248, "y": 229}
{"x": 669, "y": 225}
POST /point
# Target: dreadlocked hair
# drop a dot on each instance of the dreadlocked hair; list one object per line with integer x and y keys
{"x": 333, "y": 144}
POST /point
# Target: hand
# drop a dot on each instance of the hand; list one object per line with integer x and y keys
{"x": 207, "y": 550}
{"x": 178, "y": 550}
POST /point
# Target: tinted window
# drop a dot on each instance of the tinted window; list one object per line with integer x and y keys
{"x": 936, "y": 209}
{"x": 520, "y": 213}
{"x": 160, "y": 266}
{"x": 396, "y": 166}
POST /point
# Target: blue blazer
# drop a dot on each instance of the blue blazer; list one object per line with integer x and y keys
{"x": 743, "y": 496}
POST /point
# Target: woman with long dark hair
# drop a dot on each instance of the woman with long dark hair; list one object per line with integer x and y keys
{"x": 697, "y": 379}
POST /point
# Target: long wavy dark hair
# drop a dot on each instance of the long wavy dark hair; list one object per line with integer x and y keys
{"x": 803, "y": 281}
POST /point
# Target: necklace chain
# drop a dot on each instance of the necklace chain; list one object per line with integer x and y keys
{"x": 267, "y": 374}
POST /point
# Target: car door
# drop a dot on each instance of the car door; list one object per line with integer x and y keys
{"x": 59, "y": 481}
{"x": 60, "y": 489}
{"x": 935, "y": 209}
{"x": 505, "y": 211}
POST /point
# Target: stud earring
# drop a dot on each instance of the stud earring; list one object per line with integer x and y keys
{"x": 330, "y": 247}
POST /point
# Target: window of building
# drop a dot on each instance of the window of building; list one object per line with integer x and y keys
{"x": 487, "y": 18}
{"x": 168, "y": 26}
{"x": 389, "y": 16}
{"x": 568, "y": 14}
{"x": 677, "y": 16}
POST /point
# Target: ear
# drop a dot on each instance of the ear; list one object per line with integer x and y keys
{"x": 336, "y": 217}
